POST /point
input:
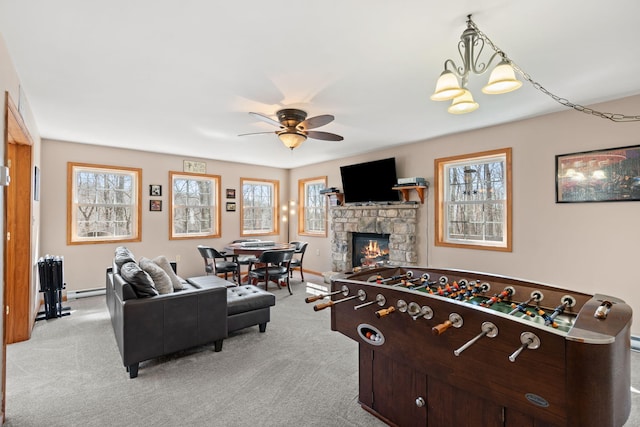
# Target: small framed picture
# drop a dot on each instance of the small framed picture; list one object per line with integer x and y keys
{"x": 155, "y": 205}
{"x": 231, "y": 193}
{"x": 231, "y": 206}
{"x": 155, "y": 190}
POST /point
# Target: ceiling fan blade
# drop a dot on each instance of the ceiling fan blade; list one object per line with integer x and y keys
{"x": 315, "y": 122}
{"x": 325, "y": 136}
{"x": 266, "y": 119}
{"x": 257, "y": 133}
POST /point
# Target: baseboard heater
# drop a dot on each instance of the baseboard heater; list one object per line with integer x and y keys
{"x": 86, "y": 293}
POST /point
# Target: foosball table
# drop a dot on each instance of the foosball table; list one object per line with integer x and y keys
{"x": 441, "y": 347}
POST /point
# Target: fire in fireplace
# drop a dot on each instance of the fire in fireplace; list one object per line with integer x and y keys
{"x": 369, "y": 249}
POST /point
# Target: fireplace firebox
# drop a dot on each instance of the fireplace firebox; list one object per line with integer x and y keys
{"x": 369, "y": 249}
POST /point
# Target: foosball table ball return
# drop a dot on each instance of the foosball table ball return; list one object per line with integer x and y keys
{"x": 440, "y": 347}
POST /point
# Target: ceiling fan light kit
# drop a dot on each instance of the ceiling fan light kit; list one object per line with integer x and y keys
{"x": 294, "y": 127}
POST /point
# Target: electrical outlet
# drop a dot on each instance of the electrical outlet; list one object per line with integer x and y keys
{"x": 177, "y": 258}
{"x": 317, "y": 252}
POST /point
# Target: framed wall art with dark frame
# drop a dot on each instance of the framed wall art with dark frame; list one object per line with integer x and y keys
{"x": 231, "y": 206}
{"x": 155, "y": 205}
{"x": 607, "y": 175}
{"x": 155, "y": 190}
{"x": 231, "y": 193}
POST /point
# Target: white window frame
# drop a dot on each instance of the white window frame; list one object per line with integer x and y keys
{"x": 106, "y": 196}
{"x": 250, "y": 208}
{"x": 312, "y": 218}
{"x": 473, "y": 199}
{"x": 199, "y": 207}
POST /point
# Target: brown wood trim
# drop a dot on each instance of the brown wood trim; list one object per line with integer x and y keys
{"x": 439, "y": 198}
{"x": 276, "y": 204}
{"x": 70, "y": 166}
{"x": 16, "y": 129}
{"x": 301, "y": 185}
{"x": 218, "y": 225}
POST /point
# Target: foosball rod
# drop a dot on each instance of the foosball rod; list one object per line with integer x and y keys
{"x": 344, "y": 290}
{"x": 361, "y": 294}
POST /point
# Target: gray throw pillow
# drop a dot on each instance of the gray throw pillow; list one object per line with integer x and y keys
{"x": 139, "y": 280}
{"x": 164, "y": 264}
{"x": 122, "y": 256}
{"x": 160, "y": 278}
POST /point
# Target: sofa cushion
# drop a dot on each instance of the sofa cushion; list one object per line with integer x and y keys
{"x": 160, "y": 278}
{"x": 139, "y": 280}
{"x": 241, "y": 299}
{"x": 164, "y": 264}
{"x": 122, "y": 256}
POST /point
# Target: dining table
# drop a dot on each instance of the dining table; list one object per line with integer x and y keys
{"x": 254, "y": 248}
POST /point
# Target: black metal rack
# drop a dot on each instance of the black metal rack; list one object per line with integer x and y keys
{"x": 50, "y": 269}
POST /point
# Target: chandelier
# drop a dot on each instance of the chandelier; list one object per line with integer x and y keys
{"x": 501, "y": 80}
{"x": 470, "y": 47}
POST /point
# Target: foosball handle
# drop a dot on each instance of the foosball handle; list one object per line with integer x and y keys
{"x": 442, "y": 327}
{"x": 385, "y": 311}
{"x": 323, "y": 305}
{"x": 314, "y": 298}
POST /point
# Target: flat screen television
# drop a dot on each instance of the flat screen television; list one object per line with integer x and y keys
{"x": 370, "y": 181}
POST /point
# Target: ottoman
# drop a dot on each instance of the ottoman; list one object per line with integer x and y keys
{"x": 248, "y": 305}
{"x": 209, "y": 282}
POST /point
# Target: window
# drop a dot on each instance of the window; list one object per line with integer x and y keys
{"x": 473, "y": 201}
{"x": 103, "y": 204}
{"x": 195, "y": 205}
{"x": 313, "y": 207}
{"x": 259, "y": 210}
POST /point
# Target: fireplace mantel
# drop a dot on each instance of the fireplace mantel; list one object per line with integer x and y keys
{"x": 398, "y": 220}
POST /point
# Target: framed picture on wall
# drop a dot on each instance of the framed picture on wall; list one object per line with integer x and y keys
{"x": 155, "y": 205}
{"x": 231, "y": 206}
{"x": 609, "y": 175}
{"x": 155, "y": 190}
{"x": 231, "y": 193}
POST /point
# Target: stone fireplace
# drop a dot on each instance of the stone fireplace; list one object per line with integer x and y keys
{"x": 398, "y": 221}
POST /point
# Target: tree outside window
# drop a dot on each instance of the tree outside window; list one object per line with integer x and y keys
{"x": 195, "y": 205}
{"x": 473, "y": 200}
{"x": 103, "y": 204}
{"x": 313, "y": 207}
{"x": 259, "y": 207}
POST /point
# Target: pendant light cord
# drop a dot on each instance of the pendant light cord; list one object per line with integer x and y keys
{"x": 563, "y": 101}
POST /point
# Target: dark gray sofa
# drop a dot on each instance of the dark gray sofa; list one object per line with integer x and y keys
{"x": 153, "y": 326}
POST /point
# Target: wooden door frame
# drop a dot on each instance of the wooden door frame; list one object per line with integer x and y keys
{"x": 16, "y": 133}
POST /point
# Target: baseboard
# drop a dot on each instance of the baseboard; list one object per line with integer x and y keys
{"x": 86, "y": 293}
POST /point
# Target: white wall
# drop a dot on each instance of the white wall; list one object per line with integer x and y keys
{"x": 84, "y": 265}
{"x": 588, "y": 247}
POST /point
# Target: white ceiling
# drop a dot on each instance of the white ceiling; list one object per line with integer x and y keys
{"x": 180, "y": 77}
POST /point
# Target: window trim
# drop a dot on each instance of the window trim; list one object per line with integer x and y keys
{"x": 302, "y": 187}
{"x": 136, "y": 229}
{"x": 276, "y": 201}
{"x": 217, "y": 232}
{"x": 440, "y": 215}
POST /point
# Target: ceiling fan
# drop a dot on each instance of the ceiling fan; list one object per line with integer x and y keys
{"x": 294, "y": 127}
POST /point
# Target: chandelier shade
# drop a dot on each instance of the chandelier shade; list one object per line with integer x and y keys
{"x": 291, "y": 139}
{"x": 463, "y": 104}
{"x": 447, "y": 87}
{"x": 502, "y": 80}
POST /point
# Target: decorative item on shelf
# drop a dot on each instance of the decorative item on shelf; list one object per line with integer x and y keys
{"x": 231, "y": 193}
{"x": 231, "y": 206}
{"x": 155, "y": 205}
{"x": 155, "y": 190}
{"x": 194, "y": 166}
{"x": 501, "y": 80}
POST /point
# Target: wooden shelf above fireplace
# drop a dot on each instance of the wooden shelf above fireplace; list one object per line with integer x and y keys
{"x": 406, "y": 190}
{"x": 339, "y": 197}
